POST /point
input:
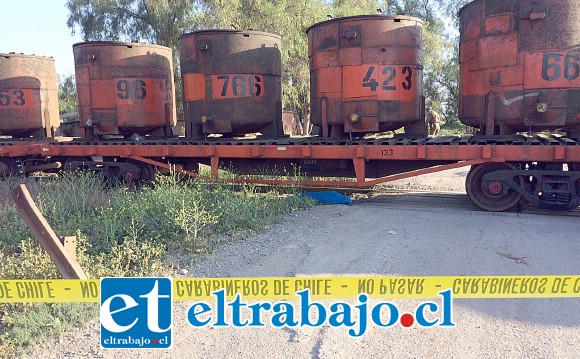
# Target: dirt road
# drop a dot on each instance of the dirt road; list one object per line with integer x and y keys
{"x": 393, "y": 234}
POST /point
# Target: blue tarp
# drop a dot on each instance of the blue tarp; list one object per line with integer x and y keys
{"x": 328, "y": 197}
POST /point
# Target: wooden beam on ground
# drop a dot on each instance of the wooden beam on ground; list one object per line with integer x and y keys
{"x": 65, "y": 262}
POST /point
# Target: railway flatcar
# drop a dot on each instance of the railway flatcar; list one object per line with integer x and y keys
{"x": 506, "y": 169}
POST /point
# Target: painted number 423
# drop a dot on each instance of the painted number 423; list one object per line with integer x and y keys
{"x": 388, "y": 76}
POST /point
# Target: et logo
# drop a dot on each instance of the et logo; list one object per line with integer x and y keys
{"x": 136, "y": 313}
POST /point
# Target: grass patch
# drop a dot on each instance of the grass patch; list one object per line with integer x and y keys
{"x": 120, "y": 232}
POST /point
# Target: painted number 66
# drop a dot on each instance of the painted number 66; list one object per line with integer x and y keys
{"x": 552, "y": 66}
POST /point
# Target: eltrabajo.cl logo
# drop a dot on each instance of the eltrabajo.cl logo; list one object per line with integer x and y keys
{"x": 136, "y": 313}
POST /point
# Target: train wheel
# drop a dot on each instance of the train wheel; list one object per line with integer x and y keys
{"x": 490, "y": 196}
{"x": 8, "y": 167}
{"x": 130, "y": 176}
{"x": 146, "y": 172}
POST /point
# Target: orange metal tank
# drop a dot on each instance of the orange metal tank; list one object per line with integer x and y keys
{"x": 520, "y": 65}
{"x": 232, "y": 82}
{"x": 124, "y": 88}
{"x": 366, "y": 75}
{"x": 28, "y": 96}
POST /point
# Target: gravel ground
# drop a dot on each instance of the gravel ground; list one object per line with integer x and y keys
{"x": 438, "y": 234}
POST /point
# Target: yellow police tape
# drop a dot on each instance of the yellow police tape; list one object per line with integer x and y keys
{"x": 192, "y": 289}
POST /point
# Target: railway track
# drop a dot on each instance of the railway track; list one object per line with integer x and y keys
{"x": 410, "y": 198}
{"x": 398, "y": 198}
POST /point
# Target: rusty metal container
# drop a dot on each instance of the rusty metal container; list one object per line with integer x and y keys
{"x": 366, "y": 75}
{"x": 28, "y": 96}
{"x": 124, "y": 88}
{"x": 520, "y": 65}
{"x": 231, "y": 82}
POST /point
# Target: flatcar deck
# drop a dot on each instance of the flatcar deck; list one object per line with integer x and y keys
{"x": 369, "y": 161}
{"x": 466, "y": 150}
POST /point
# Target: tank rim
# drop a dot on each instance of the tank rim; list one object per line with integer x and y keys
{"x": 117, "y": 43}
{"x": 362, "y": 17}
{"x": 230, "y": 31}
{"x": 14, "y": 54}
{"x": 466, "y": 5}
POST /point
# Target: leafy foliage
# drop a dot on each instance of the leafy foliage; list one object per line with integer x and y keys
{"x": 162, "y": 21}
{"x": 67, "y": 93}
{"x": 156, "y": 21}
{"x": 120, "y": 232}
{"x": 440, "y": 51}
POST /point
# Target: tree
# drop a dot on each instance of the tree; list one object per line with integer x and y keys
{"x": 440, "y": 53}
{"x": 289, "y": 19}
{"x": 155, "y": 21}
{"x": 451, "y": 9}
{"x": 162, "y": 21}
{"x": 67, "y": 94}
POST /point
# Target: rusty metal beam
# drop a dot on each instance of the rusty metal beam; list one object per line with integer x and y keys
{"x": 361, "y": 182}
{"x": 511, "y": 153}
{"x": 14, "y": 150}
{"x": 424, "y": 171}
{"x": 162, "y": 165}
{"x": 65, "y": 262}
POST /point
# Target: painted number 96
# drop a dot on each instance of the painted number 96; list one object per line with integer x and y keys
{"x": 127, "y": 90}
{"x": 555, "y": 65}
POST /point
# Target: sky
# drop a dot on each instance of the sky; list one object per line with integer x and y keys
{"x": 38, "y": 27}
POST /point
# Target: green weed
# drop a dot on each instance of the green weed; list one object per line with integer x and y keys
{"x": 119, "y": 232}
